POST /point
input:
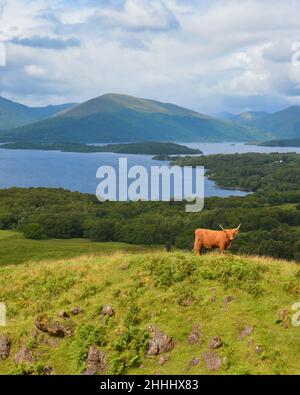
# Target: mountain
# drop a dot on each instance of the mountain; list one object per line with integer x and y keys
{"x": 14, "y": 114}
{"x": 248, "y": 117}
{"x": 224, "y": 115}
{"x": 121, "y": 118}
{"x": 283, "y": 124}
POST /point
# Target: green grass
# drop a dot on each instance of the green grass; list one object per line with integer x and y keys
{"x": 172, "y": 291}
{"x": 15, "y": 249}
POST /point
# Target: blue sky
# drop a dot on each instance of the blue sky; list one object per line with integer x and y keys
{"x": 211, "y": 56}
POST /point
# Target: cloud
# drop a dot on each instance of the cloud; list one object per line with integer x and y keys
{"x": 138, "y": 15}
{"x": 34, "y": 70}
{"x": 210, "y": 56}
{"x": 46, "y": 42}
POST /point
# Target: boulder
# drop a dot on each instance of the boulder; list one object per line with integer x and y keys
{"x": 213, "y": 361}
{"x": 228, "y": 299}
{"x": 216, "y": 342}
{"x": 24, "y": 356}
{"x": 64, "y": 314}
{"x": 246, "y": 332}
{"x": 52, "y": 327}
{"x": 108, "y": 311}
{"x": 96, "y": 362}
{"x": 5, "y": 345}
{"x": 195, "y": 336}
{"x": 193, "y": 362}
{"x": 160, "y": 342}
{"x": 76, "y": 310}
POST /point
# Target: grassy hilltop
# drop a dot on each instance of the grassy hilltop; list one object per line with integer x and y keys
{"x": 246, "y": 301}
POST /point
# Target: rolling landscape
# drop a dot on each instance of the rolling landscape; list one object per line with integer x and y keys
{"x": 82, "y": 272}
{"x": 121, "y": 118}
{"x": 114, "y": 115}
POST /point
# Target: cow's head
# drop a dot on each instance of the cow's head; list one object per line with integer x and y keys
{"x": 231, "y": 233}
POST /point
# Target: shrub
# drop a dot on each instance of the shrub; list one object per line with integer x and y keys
{"x": 34, "y": 231}
{"x": 168, "y": 271}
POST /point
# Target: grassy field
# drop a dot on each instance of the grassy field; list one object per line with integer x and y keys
{"x": 15, "y": 249}
{"x": 172, "y": 291}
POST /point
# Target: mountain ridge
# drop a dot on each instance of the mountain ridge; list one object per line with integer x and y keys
{"x": 123, "y": 118}
{"x": 13, "y": 114}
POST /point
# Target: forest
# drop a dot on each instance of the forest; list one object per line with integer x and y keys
{"x": 270, "y": 220}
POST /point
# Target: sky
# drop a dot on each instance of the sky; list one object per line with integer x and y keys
{"x": 211, "y": 56}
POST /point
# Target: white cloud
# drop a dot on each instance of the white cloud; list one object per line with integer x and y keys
{"x": 208, "y": 55}
{"x": 34, "y": 70}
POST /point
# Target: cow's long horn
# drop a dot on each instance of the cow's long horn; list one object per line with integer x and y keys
{"x": 238, "y": 227}
{"x": 221, "y": 227}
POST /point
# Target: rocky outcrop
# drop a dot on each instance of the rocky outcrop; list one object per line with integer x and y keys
{"x": 195, "y": 336}
{"x": 160, "y": 341}
{"x": 246, "y": 332}
{"x": 52, "y": 327}
{"x": 216, "y": 342}
{"x": 107, "y": 311}
{"x": 96, "y": 362}
{"x": 76, "y": 310}
{"x": 5, "y": 345}
{"x": 194, "y": 362}
{"x": 213, "y": 361}
{"x": 24, "y": 356}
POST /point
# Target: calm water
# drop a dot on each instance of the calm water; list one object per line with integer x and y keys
{"x": 77, "y": 171}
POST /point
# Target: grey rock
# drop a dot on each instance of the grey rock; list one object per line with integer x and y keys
{"x": 24, "y": 356}
{"x": 160, "y": 341}
{"x": 96, "y": 362}
{"x": 213, "y": 361}
{"x": 108, "y": 311}
{"x": 5, "y": 345}
{"x": 76, "y": 310}
{"x": 52, "y": 327}
{"x": 246, "y": 332}
{"x": 216, "y": 342}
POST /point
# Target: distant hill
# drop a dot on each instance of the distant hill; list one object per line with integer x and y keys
{"x": 145, "y": 148}
{"x": 14, "y": 114}
{"x": 281, "y": 143}
{"x": 284, "y": 124}
{"x": 248, "y": 117}
{"x": 121, "y": 118}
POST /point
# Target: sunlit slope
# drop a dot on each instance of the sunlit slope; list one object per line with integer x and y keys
{"x": 245, "y": 302}
{"x": 122, "y": 118}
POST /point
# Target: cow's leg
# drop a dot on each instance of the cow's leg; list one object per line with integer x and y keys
{"x": 197, "y": 247}
{"x": 222, "y": 249}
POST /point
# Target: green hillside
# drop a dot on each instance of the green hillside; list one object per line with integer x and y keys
{"x": 283, "y": 124}
{"x": 223, "y": 315}
{"x": 281, "y": 143}
{"x": 13, "y": 114}
{"x": 120, "y": 118}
